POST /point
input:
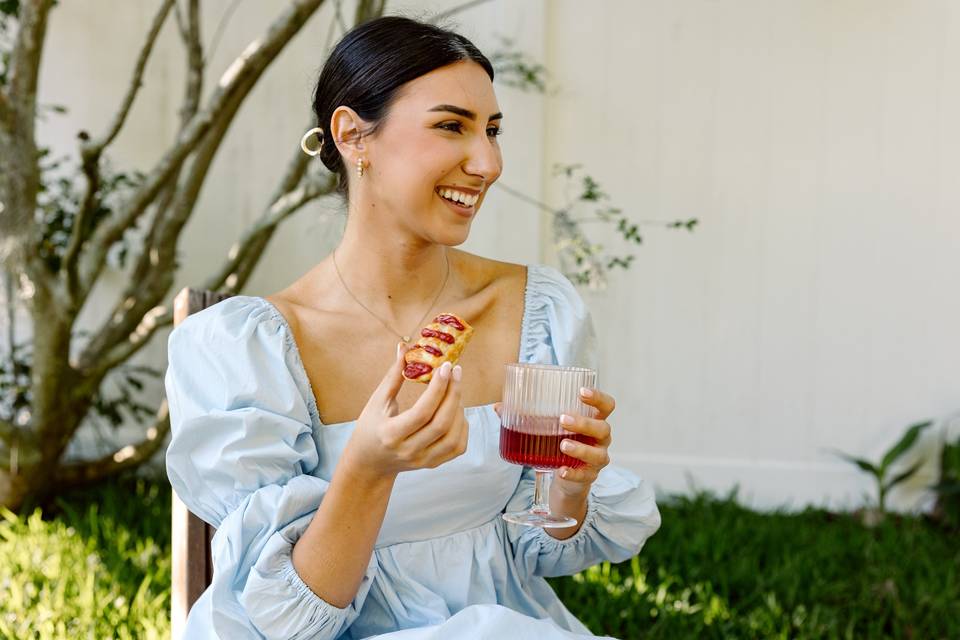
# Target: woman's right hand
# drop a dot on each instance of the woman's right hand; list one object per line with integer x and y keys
{"x": 434, "y": 430}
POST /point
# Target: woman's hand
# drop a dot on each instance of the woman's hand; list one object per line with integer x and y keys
{"x": 431, "y": 432}
{"x": 576, "y": 482}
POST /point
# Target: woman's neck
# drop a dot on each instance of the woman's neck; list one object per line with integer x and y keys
{"x": 389, "y": 272}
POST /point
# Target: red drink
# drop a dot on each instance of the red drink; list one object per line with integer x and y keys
{"x": 536, "y": 443}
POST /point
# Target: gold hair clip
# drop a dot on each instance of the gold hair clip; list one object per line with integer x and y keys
{"x": 303, "y": 142}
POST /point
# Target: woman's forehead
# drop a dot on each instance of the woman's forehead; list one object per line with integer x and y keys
{"x": 463, "y": 84}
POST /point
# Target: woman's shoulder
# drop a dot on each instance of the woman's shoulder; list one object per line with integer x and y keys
{"x": 481, "y": 272}
{"x": 539, "y": 285}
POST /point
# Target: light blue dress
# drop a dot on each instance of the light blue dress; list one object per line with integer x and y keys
{"x": 250, "y": 455}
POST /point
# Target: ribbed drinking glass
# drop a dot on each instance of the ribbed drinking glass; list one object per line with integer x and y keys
{"x": 534, "y": 398}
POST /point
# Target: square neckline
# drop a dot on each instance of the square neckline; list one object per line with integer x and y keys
{"x": 301, "y": 370}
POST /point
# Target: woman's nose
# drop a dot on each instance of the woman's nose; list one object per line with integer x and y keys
{"x": 485, "y": 160}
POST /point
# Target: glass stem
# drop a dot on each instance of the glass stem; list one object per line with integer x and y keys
{"x": 541, "y": 491}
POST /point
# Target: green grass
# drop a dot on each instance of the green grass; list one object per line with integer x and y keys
{"x": 717, "y": 570}
{"x": 97, "y": 565}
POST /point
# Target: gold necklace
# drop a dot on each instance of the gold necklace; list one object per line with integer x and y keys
{"x": 402, "y": 337}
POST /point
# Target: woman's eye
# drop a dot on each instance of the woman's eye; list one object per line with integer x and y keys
{"x": 456, "y": 127}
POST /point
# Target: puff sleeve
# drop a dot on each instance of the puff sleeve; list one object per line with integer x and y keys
{"x": 240, "y": 457}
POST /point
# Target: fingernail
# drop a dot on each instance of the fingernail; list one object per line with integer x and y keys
{"x": 457, "y": 373}
{"x": 566, "y": 446}
{"x": 565, "y": 419}
{"x": 445, "y": 370}
{"x": 563, "y": 474}
{"x": 586, "y": 393}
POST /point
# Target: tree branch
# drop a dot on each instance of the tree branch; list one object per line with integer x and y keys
{"x": 96, "y": 147}
{"x": 128, "y": 457}
{"x": 6, "y": 112}
{"x": 233, "y": 275}
{"x": 25, "y": 57}
{"x": 195, "y": 66}
{"x": 153, "y": 276}
{"x": 7, "y": 432}
{"x": 178, "y": 17}
{"x": 236, "y": 82}
{"x": 19, "y": 168}
{"x": 255, "y": 239}
{"x": 368, "y": 10}
{"x": 90, "y": 153}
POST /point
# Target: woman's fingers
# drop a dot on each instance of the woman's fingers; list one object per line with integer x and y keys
{"x": 441, "y": 421}
{"x": 386, "y": 391}
{"x": 585, "y": 475}
{"x": 426, "y": 405}
{"x": 593, "y": 427}
{"x": 603, "y": 402}
{"x": 596, "y": 456}
{"x": 452, "y": 444}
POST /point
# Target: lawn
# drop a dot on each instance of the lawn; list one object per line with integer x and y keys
{"x": 97, "y": 565}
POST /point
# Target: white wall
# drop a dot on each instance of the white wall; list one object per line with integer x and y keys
{"x": 812, "y": 309}
{"x": 816, "y": 305}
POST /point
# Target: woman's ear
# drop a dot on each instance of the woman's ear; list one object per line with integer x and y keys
{"x": 347, "y": 130}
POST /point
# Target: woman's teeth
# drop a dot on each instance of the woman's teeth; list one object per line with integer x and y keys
{"x": 459, "y": 197}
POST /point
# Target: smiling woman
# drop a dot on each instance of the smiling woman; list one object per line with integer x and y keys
{"x": 348, "y": 503}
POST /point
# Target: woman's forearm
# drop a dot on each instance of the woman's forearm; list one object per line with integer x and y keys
{"x": 332, "y": 555}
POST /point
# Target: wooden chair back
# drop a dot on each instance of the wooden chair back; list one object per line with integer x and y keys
{"x": 192, "y": 569}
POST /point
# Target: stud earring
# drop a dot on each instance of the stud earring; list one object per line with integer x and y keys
{"x": 359, "y": 167}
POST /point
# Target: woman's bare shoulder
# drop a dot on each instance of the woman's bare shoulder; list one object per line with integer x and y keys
{"x": 486, "y": 273}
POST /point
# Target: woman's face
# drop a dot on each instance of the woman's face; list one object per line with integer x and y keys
{"x": 436, "y": 153}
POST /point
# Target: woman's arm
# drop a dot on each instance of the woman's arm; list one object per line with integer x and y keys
{"x": 332, "y": 555}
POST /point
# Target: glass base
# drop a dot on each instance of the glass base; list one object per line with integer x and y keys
{"x": 539, "y": 519}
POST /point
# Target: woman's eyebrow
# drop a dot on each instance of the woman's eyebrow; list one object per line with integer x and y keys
{"x": 466, "y": 113}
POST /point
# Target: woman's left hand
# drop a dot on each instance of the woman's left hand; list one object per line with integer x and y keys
{"x": 576, "y": 482}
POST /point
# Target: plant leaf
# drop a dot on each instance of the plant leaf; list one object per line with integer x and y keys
{"x": 903, "y": 476}
{"x": 866, "y": 465}
{"x": 905, "y": 443}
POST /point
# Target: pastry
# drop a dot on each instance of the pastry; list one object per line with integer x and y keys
{"x": 442, "y": 340}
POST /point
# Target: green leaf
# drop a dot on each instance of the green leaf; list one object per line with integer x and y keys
{"x": 905, "y": 443}
{"x": 860, "y": 462}
{"x": 903, "y": 476}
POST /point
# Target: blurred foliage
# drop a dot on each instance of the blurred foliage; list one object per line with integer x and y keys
{"x": 61, "y": 187}
{"x": 514, "y": 68}
{"x": 119, "y": 396}
{"x": 585, "y": 262}
{"x": 881, "y": 470}
{"x": 948, "y": 487}
{"x": 95, "y": 565}
{"x": 718, "y": 570}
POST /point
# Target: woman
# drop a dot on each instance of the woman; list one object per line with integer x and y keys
{"x": 347, "y": 503}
